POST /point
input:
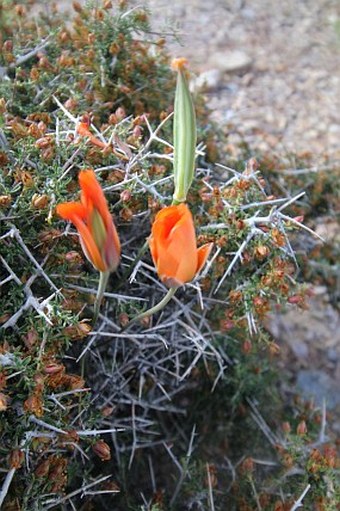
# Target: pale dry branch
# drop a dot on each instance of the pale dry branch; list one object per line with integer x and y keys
{"x": 299, "y": 503}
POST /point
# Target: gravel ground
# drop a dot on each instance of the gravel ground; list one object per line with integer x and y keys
{"x": 272, "y": 68}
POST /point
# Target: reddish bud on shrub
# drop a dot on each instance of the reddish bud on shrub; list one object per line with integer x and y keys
{"x": 246, "y": 347}
{"x": 261, "y": 251}
{"x": 39, "y": 201}
{"x": 102, "y": 450}
{"x": 278, "y": 237}
{"x": 2, "y": 105}
{"x": 123, "y": 319}
{"x": 126, "y": 214}
{"x": 44, "y": 142}
{"x": 274, "y": 349}
{"x": 91, "y": 38}
{"x": 49, "y": 235}
{"x": 287, "y": 460}
{"x": 73, "y": 257}
{"x": 3, "y": 402}
{"x": 8, "y": 45}
{"x": 34, "y": 74}
{"x": 57, "y": 468}
{"x": 235, "y": 296}
{"x": 145, "y": 322}
{"x": 286, "y": 427}
{"x": 71, "y": 104}
{"x": 43, "y": 468}
{"x": 44, "y": 63}
{"x": 34, "y": 404}
{"x": 226, "y": 325}
{"x": 107, "y": 411}
{"x": 120, "y": 113}
{"x": 48, "y": 154}
{"x": 39, "y": 381}
{"x": 3, "y": 380}
{"x": 53, "y": 368}
{"x": 137, "y": 131}
{"x": 211, "y": 479}
{"x": 79, "y": 331}
{"x": 20, "y": 10}
{"x": 330, "y": 456}
{"x": 251, "y": 166}
{"x": 247, "y": 466}
{"x": 74, "y": 381}
{"x": 125, "y": 195}
{"x": 5, "y": 200}
{"x": 16, "y": 458}
{"x": 301, "y": 428}
{"x": 295, "y": 299}
{"x": 113, "y": 119}
{"x": 77, "y": 7}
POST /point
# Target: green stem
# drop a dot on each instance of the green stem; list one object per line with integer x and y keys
{"x": 158, "y": 307}
{"x": 103, "y": 279}
{"x": 176, "y": 202}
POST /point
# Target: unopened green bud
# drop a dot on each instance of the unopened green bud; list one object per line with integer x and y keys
{"x": 184, "y": 134}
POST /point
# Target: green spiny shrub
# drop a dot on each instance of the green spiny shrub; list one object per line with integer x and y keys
{"x": 93, "y": 416}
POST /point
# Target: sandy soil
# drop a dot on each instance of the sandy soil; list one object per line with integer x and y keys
{"x": 273, "y": 67}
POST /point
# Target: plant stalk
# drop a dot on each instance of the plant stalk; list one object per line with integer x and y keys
{"x": 103, "y": 279}
{"x": 158, "y": 307}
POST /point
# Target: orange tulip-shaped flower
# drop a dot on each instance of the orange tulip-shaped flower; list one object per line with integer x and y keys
{"x": 173, "y": 246}
{"x": 91, "y": 217}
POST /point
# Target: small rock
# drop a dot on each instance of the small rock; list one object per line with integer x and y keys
{"x": 208, "y": 80}
{"x": 300, "y": 349}
{"x": 328, "y": 229}
{"x": 319, "y": 290}
{"x": 334, "y": 128}
{"x": 332, "y": 355}
{"x": 318, "y": 385}
{"x": 232, "y": 61}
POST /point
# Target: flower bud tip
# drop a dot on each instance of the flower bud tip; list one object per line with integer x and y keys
{"x": 179, "y": 63}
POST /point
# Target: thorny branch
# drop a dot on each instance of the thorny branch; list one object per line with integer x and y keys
{"x": 298, "y": 503}
{"x": 143, "y": 371}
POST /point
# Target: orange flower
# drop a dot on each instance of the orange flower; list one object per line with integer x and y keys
{"x": 91, "y": 217}
{"x": 83, "y": 130}
{"x": 173, "y": 246}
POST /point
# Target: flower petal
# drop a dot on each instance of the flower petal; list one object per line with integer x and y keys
{"x": 165, "y": 221}
{"x": 159, "y": 239}
{"x": 93, "y": 198}
{"x": 112, "y": 247}
{"x": 153, "y": 249}
{"x": 182, "y": 247}
{"x": 92, "y": 193}
{"x": 89, "y": 246}
{"x": 202, "y": 255}
{"x": 173, "y": 244}
{"x": 91, "y": 216}
{"x": 70, "y": 210}
{"x": 76, "y": 213}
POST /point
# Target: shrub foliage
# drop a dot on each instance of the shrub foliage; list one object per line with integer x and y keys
{"x": 170, "y": 412}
